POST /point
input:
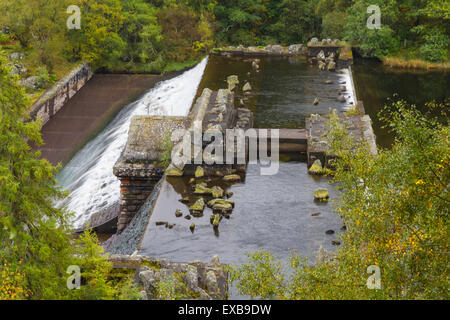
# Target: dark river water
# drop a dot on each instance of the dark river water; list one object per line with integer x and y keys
{"x": 273, "y": 213}
{"x": 376, "y": 84}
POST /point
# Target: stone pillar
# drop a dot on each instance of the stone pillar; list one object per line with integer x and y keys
{"x": 134, "y": 190}
{"x": 139, "y": 166}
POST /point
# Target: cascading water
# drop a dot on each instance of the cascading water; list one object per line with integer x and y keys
{"x": 89, "y": 175}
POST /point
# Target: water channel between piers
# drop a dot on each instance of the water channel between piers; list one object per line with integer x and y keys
{"x": 278, "y": 212}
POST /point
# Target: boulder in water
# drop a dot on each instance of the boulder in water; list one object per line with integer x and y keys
{"x": 216, "y": 220}
{"x": 178, "y": 213}
{"x": 173, "y": 171}
{"x": 341, "y": 98}
{"x": 322, "y": 65}
{"x": 197, "y": 208}
{"x": 217, "y": 192}
{"x": 232, "y": 82}
{"x": 223, "y": 208}
{"x": 295, "y": 48}
{"x": 316, "y": 101}
{"x": 316, "y": 168}
{"x": 199, "y": 172}
{"x": 247, "y": 87}
{"x": 321, "y": 194}
{"x": 332, "y": 66}
{"x": 232, "y": 178}
{"x": 214, "y": 202}
{"x": 321, "y": 55}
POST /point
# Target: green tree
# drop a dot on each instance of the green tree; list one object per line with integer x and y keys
{"x": 35, "y": 236}
{"x": 297, "y": 21}
{"x": 372, "y": 42}
{"x": 141, "y": 31}
{"x": 98, "y": 41}
{"x": 395, "y": 206}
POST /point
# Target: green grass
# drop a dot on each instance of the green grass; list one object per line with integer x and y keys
{"x": 178, "y": 66}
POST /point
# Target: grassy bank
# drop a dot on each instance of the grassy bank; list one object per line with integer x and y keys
{"x": 414, "y": 64}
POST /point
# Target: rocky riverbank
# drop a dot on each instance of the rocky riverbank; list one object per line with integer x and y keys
{"x": 160, "y": 277}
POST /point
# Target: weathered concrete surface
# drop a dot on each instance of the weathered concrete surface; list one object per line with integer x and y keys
{"x": 59, "y": 94}
{"x": 359, "y": 126}
{"x": 87, "y": 112}
{"x": 138, "y": 167}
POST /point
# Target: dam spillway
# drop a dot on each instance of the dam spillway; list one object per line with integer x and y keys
{"x": 88, "y": 175}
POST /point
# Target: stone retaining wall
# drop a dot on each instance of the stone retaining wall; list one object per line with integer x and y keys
{"x": 270, "y": 50}
{"x": 58, "y": 95}
{"x": 195, "y": 279}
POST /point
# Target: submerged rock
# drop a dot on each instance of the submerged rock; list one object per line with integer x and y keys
{"x": 232, "y": 82}
{"x": 232, "y": 177}
{"x": 184, "y": 200}
{"x": 178, "y": 213}
{"x": 316, "y": 168}
{"x": 321, "y": 194}
{"x": 332, "y": 66}
{"x": 201, "y": 189}
{"x": 223, "y": 208}
{"x": 173, "y": 171}
{"x": 329, "y": 232}
{"x": 214, "y": 202}
{"x": 216, "y": 220}
{"x": 199, "y": 172}
{"x": 217, "y": 192}
{"x": 322, "y": 65}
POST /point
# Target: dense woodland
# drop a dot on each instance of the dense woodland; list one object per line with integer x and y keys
{"x": 158, "y": 35}
{"x": 400, "y": 224}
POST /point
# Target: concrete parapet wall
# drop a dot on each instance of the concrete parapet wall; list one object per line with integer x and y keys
{"x": 58, "y": 95}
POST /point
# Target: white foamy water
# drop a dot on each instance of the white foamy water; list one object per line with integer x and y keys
{"x": 89, "y": 175}
{"x": 350, "y": 92}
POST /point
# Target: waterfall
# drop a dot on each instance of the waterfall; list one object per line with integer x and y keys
{"x": 89, "y": 175}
